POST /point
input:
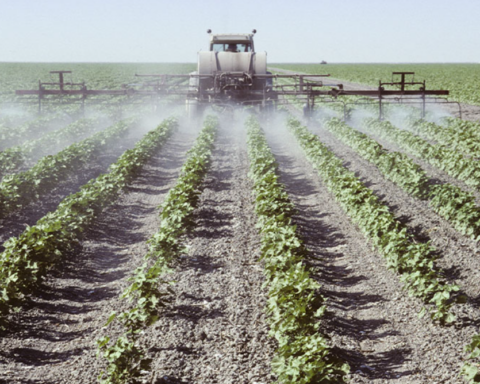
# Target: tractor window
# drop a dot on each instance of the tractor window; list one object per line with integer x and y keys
{"x": 218, "y": 47}
{"x": 231, "y": 47}
{"x": 244, "y": 48}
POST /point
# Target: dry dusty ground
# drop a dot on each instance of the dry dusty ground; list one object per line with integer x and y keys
{"x": 54, "y": 338}
{"x": 214, "y": 331}
{"x": 373, "y": 322}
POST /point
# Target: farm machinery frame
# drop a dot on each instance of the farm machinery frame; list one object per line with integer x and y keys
{"x": 232, "y": 74}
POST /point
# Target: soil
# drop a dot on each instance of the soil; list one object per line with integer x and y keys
{"x": 214, "y": 330}
{"x": 373, "y": 322}
{"x": 15, "y": 223}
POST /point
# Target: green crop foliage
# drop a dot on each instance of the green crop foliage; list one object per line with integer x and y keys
{"x": 462, "y": 80}
{"x": 471, "y": 370}
{"x": 469, "y": 128}
{"x": 182, "y": 199}
{"x": 13, "y": 157}
{"x": 396, "y": 166}
{"x": 458, "y": 207}
{"x": 148, "y": 290}
{"x": 22, "y": 188}
{"x": 450, "y": 202}
{"x": 450, "y": 135}
{"x": 27, "y": 258}
{"x": 14, "y": 135}
{"x": 446, "y": 159}
{"x": 413, "y": 261}
{"x": 294, "y": 305}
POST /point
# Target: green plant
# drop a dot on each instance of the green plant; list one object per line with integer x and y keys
{"x": 396, "y": 166}
{"x": 471, "y": 370}
{"x": 451, "y": 202}
{"x": 446, "y": 159}
{"x": 14, "y": 135}
{"x": 181, "y": 200}
{"x": 450, "y": 135}
{"x": 22, "y": 188}
{"x": 13, "y": 157}
{"x": 27, "y": 258}
{"x": 125, "y": 359}
{"x": 126, "y": 362}
{"x": 294, "y": 305}
{"x": 414, "y": 261}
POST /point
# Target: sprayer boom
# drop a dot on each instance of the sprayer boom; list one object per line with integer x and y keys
{"x": 232, "y": 73}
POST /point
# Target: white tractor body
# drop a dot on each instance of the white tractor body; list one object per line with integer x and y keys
{"x": 227, "y": 73}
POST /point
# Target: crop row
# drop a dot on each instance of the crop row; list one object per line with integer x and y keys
{"x": 15, "y": 135}
{"x": 446, "y": 159}
{"x": 448, "y": 135}
{"x": 14, "y": 157}
{"x": 462, "y": 80}
{"x": 27, "y": 258}
{"x": 294, "y": 305}
{"x": 9, "y": 121}
{"x": 22, "y": 188}
{"x": 414, "y": 261}
{"x": 397, "y": 167}
{"x": 471, "y": 368}
{"x": 449, "y": 201}
{"x": 470, "y": 128}
{"x": 126, "y": 360}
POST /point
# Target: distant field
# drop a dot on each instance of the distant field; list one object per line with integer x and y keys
{"x": 96, "y": 75}
{"x": 462, "y": 80}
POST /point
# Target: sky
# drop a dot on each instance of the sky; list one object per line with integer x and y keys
{"x": 345, "y": 31}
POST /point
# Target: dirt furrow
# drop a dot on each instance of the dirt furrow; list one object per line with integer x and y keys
{"x": 373, "y": 322}
{"x": 214, "y": 332}
{"x": 54, "y": 339}
{"x": 15, "y": 223}
{"x": 460, "y": 255}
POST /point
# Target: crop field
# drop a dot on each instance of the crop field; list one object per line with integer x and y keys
{"x": 462, "y": 80}
{"x": 142, "y": 246}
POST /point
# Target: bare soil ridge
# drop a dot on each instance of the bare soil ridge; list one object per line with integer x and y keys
{"x": 55, "y": 337}
{"x": 373, "y": 323}
{"x": 215, "y": 330}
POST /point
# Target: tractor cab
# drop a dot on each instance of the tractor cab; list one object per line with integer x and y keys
{"x": 232, "y": 43}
